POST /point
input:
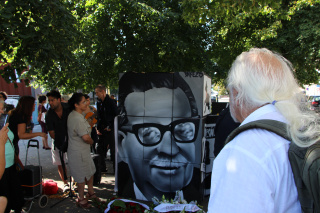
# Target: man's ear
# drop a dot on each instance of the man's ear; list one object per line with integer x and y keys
{"x": 121, "y": 151}
{"x": 234, "y": 95}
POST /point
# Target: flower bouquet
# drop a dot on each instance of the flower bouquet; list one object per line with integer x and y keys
{"x": 125, "y": 206}
{"x": 178, "y": 204}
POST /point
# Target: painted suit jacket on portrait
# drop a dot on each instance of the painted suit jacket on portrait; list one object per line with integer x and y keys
{"x": 125, "y": 184}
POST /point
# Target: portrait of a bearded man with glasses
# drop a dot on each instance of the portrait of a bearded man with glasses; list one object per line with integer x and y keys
{"x": 158, "y": 128}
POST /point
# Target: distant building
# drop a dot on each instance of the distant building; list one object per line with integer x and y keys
{"x": 20, "y": 90}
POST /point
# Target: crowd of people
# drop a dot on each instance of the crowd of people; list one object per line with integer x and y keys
{"x": 251, "y": 173}
{"x": 74, "y": 136}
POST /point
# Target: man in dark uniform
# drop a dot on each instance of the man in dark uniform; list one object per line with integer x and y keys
{"x": 107, "y": 110}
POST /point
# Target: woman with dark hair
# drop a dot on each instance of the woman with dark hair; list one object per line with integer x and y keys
{"x": 41, "y": 109}
{"x": 3, "y": 95}
{"x": 20, "y": 121}
{"x": 79, "y": 157}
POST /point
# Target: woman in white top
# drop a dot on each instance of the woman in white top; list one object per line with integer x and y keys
{"x": 79, "y": 157}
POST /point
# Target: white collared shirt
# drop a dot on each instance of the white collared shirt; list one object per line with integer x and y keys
{"x": 252, "y": 173}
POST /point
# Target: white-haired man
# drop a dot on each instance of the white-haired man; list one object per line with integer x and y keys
{"x": 252, "y": 173}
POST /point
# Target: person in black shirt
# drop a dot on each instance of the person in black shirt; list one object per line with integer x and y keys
{"x": 224, "y": 126}
{"x": 107, "y": 110}
{"x": 56, "y": 121}
{"x": 20, "y": 122}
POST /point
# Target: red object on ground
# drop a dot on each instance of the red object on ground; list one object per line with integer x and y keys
{"x": 50, "y": 187}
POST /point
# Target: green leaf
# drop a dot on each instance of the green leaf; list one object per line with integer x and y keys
{"x": 119, "y": 203}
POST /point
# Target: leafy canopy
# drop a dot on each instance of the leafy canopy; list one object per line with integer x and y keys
{"x": 76, "y": 44}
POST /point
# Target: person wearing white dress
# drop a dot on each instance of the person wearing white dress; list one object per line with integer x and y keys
{"x": 81, "y": 165}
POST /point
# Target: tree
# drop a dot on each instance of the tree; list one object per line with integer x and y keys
{"x": 220, "y": 87}
{"x": 76, "y": 44}
{"x": 140, "y": 36}
{"x": 38, "y": 39}
{"x": 289, "y": 27}
{"x": 299, "y": 41}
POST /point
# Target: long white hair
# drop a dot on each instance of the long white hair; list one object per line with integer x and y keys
{"x": 261, "y": 76}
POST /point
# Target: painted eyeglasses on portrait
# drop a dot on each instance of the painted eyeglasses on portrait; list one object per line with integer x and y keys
{"x": 151, "y": 134}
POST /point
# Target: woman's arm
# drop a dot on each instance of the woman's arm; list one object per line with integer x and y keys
{"x": 25, "y": 135}
{"x": 87, "y": 139}
{"x": 3, "y": 140}
{"x": 18, "y": 161}
{"x": 52, "y": 134}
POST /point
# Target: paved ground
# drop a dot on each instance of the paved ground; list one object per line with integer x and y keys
{"x": 104, "y": 190}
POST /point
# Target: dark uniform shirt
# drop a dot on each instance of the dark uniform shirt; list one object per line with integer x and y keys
{"x": 107, "y": 110}
{"x": 58, "y": 125}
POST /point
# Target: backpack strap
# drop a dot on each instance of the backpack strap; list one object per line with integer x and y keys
{"x": 274, "y": 126}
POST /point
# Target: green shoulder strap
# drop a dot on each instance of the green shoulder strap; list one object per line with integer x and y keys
{"x": 274, "y": 126}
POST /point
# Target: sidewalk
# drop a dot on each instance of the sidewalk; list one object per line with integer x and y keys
{"x": 104, "y": 190}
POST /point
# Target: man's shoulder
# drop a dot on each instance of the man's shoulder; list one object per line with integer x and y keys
{"x": 66, "y": 108}
{"x": 50, "y": 112}
{"x": 258, "y": 145}
{"x": 263, "y": 136}
{"x": 107, "y": 99}
{"x": 99, "y": 102}
{"x": 65, "y": 105}
{"x": 50, "y": 118}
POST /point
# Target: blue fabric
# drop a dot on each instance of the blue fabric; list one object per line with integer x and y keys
{"x": 9, "y": 150}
